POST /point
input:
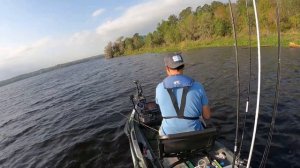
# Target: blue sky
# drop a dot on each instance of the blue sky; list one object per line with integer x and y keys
{"x": 53, "y": 17}
{"x": 36, "y": 34}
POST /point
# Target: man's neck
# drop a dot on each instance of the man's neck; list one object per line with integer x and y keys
{"x": 172, "y": 73}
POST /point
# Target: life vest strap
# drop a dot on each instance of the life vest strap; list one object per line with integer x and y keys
{"x": 179, "y": 111}
{"x": 184, "y": 117}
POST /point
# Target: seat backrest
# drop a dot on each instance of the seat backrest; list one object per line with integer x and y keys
{"x": 187, "y": 142}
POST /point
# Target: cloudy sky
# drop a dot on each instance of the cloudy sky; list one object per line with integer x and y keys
{"x": 35, "y": 34}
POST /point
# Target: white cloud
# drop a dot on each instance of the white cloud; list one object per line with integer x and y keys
{"x": 18, "y": 60}
{"x": 30, "y": 48}
{"x": 48, "y": 52}
{"x": 143, "y": 18}
{"x": 9, "y": 54}
{"x": 98, "y": 12}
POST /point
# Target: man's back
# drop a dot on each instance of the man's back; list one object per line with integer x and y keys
{"x": 195, "y": 99}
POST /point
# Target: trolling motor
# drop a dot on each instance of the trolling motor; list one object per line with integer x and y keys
{"x": 147, "y": 112}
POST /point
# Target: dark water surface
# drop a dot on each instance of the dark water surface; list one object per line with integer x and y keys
{"x": 70, "y": 117}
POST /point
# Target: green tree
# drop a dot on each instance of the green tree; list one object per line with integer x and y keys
{"x": 289, "y": 11}
{"x": 169, "y": 30}
{"x": 203, "y": 9}
{"x": 185, "y": 13}
{"x": 128, "y": 44}
{"x": 188, "y": 27}
{"x": 119, "y": 46}
{"x": 138, "y": 41}
{"x": 108, "y": 51}
{"x": 149, "y": 40}
{"x": 295, "y": 21}
{"x": 205, "y": 25}
{"x": 116, "y": 50}
{"x": 198, "y": 10}
{"x": 216, "y": 4}
{"x": 173, "y": 20}
{"x": 222, "y": 22}
{"x": 267, "y": 15}
{"x": 242, "y": 19}
{"x": 158, "y": 38}
{"x": 173, "y": 34}
{"x": 222, "y": 27}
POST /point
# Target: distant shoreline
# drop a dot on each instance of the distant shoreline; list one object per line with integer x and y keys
{"x": 243, "y": 41}
{"x": 44, "y": 70}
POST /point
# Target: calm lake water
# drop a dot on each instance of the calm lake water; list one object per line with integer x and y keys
{"x": 70, "y": 117}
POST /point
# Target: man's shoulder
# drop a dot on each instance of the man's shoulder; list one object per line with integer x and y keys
{"x": 197, "y": 84}
{"x": 160, "y": 86}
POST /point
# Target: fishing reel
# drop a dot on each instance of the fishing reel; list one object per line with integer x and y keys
{"x": 241, "y": 163}
{"x": 138, "y": 99}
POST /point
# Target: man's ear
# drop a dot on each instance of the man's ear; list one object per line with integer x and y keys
{"x": 167, "y": 70}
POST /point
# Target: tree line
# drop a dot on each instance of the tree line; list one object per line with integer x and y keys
{"x": 208, "y": 22}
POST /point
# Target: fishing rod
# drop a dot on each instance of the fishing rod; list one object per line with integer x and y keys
{"x": 238, "y": 85}
{"x": 258, "y": 84}
{"x": 249, "y": 80}
{"x": 275, "y": 105}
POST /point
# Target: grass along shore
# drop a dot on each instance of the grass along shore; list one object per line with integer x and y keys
{"x": 266, "y": 40}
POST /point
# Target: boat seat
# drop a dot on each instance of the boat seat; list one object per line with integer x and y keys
{"x": 186, "y": 143}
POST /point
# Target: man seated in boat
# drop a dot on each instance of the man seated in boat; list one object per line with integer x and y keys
{"x": 182, "y": 100}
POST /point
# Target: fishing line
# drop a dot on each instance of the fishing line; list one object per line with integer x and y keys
{"x": 275, "y": 105}
{"x": 153, "y": 129}
{"x": 238, "y": 85}
{"x": 249, "y": 81}
{"x": 258, "y": 84}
